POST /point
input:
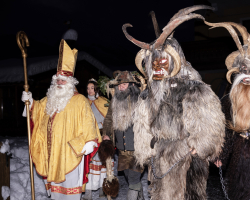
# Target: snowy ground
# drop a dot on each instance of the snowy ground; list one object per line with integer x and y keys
{"x": 20, "y": 179}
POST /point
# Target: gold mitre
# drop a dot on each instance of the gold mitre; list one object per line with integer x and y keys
{"x": 67, "y": 60}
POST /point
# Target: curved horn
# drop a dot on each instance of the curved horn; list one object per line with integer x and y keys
{"x": 172, "y": 35}
{"x": 156, "y": 27}
{"x": 186, "y": 11}
{"x": 138, "y": 61}
{"x": 242, "y": 30}
{"x": 230, "y": 72}
{"x": 129, "y": 37}
{"x": 177, "y": 60}
{"x": 231, "y": 31}
{"x": 172, "y": 25}
{"x": 142, "y": 80}
{"x": 230, "y": 59}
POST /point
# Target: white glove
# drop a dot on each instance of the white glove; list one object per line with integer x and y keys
{"x": 26, "y": 96}
{"x": 89, "y": 147}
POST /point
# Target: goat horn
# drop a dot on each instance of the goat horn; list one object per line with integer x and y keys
{"x": 138, "y": 61}
{"x": 156, "y": 27}
{"x": 172, "y": 25}
{"x": 186, "y": 11}
{"x": 242, "y": 30}
{"x": 177, "y": 60}
{"x": 130, "y": 38}
{"x": 230, "y": 72}
{"x": 231, "y": 31}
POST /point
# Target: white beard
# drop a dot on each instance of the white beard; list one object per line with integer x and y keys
{"x": 58, "y": 98}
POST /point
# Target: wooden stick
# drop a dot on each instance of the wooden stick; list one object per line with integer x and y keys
{"x": 22, "y": 41}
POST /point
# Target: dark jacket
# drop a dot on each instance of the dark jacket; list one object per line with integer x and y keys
{"x": 123, "y": 140}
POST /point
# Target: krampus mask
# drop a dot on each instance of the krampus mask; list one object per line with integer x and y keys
{"x": 238, "y": 62}
{"x": 165, "y": 54}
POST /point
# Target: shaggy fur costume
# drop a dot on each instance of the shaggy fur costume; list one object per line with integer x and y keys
{"x": 119, "y": 116}
{"x": 181, "y": 113}
{"x": 124, "y": 103}
{"x": 106, "y": 150}
{"x": 236, "y": 159}
{"x": 111, "y": 188}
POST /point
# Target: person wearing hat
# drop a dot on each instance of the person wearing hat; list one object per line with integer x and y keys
{"x": 118, "y": 124}
{"x": 97, "y": 170}
{"x": 64, "y": 131}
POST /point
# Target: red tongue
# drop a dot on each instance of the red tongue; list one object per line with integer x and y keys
{"x": 246, "y": 80}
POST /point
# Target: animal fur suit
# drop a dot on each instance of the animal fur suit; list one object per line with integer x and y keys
{"x": 236, "y": 105}
{"x": 177, "y": 112}
{"x": 236, "y": 159}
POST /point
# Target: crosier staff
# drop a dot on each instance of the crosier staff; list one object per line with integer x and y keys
{"x": 22, "y": 41}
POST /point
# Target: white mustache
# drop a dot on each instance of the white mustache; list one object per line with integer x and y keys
{"x": 239, "y": 78}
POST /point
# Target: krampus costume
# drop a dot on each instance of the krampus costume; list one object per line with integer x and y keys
{"x": 236, "y": 106}
{"x": 176, "y": 113}
{"x": 119, "y": 125}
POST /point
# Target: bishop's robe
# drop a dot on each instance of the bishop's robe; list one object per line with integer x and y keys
{"x": 97, "y": 171}
{"x": 57, "y": 143}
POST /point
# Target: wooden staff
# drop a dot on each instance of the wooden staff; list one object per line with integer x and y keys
{"x": 22, "y": 41}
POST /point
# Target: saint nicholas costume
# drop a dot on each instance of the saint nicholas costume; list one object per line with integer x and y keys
{"x": 58, "y": 141}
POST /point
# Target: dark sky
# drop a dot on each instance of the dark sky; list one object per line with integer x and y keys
{"x": 97, "y": 22}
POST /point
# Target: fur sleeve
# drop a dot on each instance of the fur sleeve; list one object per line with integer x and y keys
{"x": 142, "y": 135}
{"x": 229, "y": 135}
{"x": 108, "y": 124}
{"x": 204, "y": 120}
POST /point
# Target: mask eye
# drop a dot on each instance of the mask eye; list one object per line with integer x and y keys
{"x": 163, "y": 61}
{"x": 243, "y": 66}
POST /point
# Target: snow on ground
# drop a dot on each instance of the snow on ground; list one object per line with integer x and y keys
{"x": 5, "y": 148}
{"x": 5, "y": 192}
{"x": 20, "y": 175}
{"x": 20, "y": 172}
{"x": 20, "y": 178}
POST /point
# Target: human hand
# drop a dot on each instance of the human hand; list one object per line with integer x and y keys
{"x": 105, "y": 137}
{"x": 193, "y": 151}
{"x": 26, "y": 96}
{"x": 89, "y": 147}
{"x": 218, "y": 163}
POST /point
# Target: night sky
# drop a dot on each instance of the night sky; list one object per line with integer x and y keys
{"x": 98, "y": 24}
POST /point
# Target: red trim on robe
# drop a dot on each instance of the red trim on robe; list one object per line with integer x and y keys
{"x": 87, "y": 159}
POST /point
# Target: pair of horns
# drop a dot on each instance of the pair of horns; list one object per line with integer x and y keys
{"x": 170, "y": 50}
{"x": 182, "y": 16}
{"x": 229, "y": 26}
{"x": 230, "y": 72}
{"x": 246, "y": 41}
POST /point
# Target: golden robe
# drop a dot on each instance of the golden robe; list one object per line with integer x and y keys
{"x": 70, "y": 129}
{"x": 99, "y": 104}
